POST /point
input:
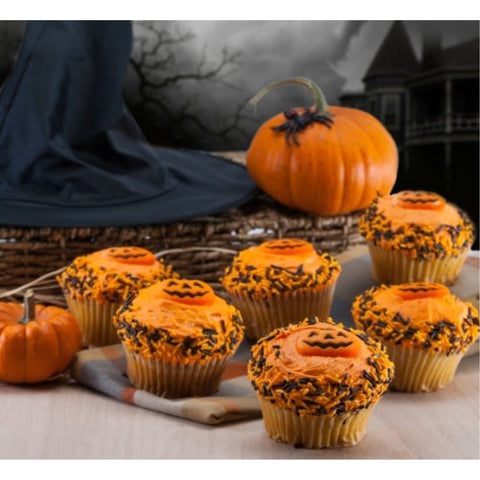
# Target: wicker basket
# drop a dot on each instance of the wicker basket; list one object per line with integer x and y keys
{"x": 28, "y": 253}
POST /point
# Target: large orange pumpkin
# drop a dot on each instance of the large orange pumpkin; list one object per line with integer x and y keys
{"x": 322, "y": 159}
{"x": 34, "y": 349}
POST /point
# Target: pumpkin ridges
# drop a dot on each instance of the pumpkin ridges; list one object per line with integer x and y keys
{"x": 66, "y": 332}
{"x": 271, "y": 155}
{"x": 354, "y": 200}
{"x": 10, "y": 313}
{"x": 340, "y": 174}
{"x": 39, "y": 345}
{"x": 383, "y": 144}
{"x": 317, "y": 153}
{"x": 376, "y": 167}
{"x": 69, "y": 339}
{"x": 12, "y": 345}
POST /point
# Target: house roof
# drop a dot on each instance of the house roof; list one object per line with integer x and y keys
{"x": 462, "y": 54}
{"x": 395, "y": 55}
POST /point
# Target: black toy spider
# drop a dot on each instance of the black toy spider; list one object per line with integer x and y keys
{"x": 297, "y": 122}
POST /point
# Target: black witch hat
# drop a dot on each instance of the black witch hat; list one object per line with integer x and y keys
{"x": 71, "y": 154}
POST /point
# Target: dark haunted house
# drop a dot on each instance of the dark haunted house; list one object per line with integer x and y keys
{"x": 431, "y": 107}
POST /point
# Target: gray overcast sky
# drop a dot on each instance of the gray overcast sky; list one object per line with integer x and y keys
{"x": 272, "y": 49}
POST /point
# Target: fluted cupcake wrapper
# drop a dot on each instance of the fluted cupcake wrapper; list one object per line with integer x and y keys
{"x": 95, "y": 320}
{"x": 392, "y": 267}
{"x": 262, "y": 315}
{"x": 418, "y": 371}
{"x": 171, "y": 380}
{"x": 315, "y": 431}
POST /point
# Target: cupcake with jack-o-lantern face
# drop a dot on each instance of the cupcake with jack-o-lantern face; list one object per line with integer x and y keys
{"x": 318, "y": 382}
{"x": 280, "y": 282}
{"x": 416, "y": 236}
{"x": 178, "y": 336}
{"x": 95, "y": 286}
{"x": 425, "y": 328}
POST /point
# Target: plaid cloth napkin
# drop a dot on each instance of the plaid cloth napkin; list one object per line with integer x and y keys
{"x": 102, "y": 369}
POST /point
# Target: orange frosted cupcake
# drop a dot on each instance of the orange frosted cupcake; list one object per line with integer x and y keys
{"x": 425, "y": 328}
{"x": 416, "y": 236}
{"x": 281, "y": 282}
{"x": 96, "y": 285}
{"x": 318, "y": 382}
{"x": 177, "y": 337}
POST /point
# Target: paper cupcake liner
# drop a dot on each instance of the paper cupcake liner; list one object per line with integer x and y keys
{"x": 314, "y": 431}
{"x": 263, "y": 315}
{"x": 171, "y": 380}
{"x": 418, "y": 371}
{"x": 390, "y": 267}
{"x": 95, "y": 321}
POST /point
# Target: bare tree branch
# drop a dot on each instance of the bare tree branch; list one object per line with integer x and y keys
{"x": 160, "y": 76}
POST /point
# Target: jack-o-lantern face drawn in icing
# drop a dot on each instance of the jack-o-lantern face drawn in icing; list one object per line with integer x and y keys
{"x": 188, "y": 292}
{"x": 417, "y": 290}
{"x": 327, "y": 341}
{"x": 419, "y": 200}
{"x": 287, "y": 246}
{"x": 129, "y": 255}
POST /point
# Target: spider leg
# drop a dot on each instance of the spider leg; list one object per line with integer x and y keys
{"x": 287, "y": 136}
{"x": 324, "y": 120}
{"x": 294, "y": 136}
{"x": 282, "y": 127}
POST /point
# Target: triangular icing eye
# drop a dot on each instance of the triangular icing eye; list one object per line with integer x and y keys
{"x": 327, "y": 342}
{"x": 129, "y": 255}
{"x": 419, "y": 200}
{"x": 417, "y": 290}
{"x": 287, "y": 246}
{"x": 189, "y": 292}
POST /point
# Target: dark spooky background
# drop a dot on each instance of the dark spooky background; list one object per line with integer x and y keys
{"x": 189, "y": 81}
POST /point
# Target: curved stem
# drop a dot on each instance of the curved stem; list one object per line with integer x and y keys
{"x": 28, "y": 307}
{"x": 320, "y": 102}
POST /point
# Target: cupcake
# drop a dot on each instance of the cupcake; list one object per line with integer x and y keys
{"x": 416, "y": 236}
{"x": 279, "y": 282}
{"x": 318, "y": 382}
{"x": 96, "y": 285}
{"x": 178, "y": 336}
{"x": 425, "y": 329}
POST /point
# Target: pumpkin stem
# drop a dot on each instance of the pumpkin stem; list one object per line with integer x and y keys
{"x": 28, "y": 307}
{"x": 319, "y": 100}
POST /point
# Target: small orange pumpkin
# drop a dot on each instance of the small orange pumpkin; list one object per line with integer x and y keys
{"x": 34, "y": 349}
{"x": 322, "y": 160}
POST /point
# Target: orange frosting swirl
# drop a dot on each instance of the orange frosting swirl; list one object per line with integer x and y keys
{"x": 421, "y": 225}
{"x": 279, "y": 266}
{"x": 319, "y": 368}
{"x": 180, "y": 321}
{"x": 111, "y": 274}
{"x": 418, "y": 315}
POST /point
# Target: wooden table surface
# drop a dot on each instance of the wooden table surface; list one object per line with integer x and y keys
{"x": 71, "y": 422}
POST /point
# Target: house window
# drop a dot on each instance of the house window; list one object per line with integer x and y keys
{"x": 390, "y": 116}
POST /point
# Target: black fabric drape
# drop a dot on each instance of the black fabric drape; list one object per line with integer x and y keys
{"x": 71, "y": 154}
